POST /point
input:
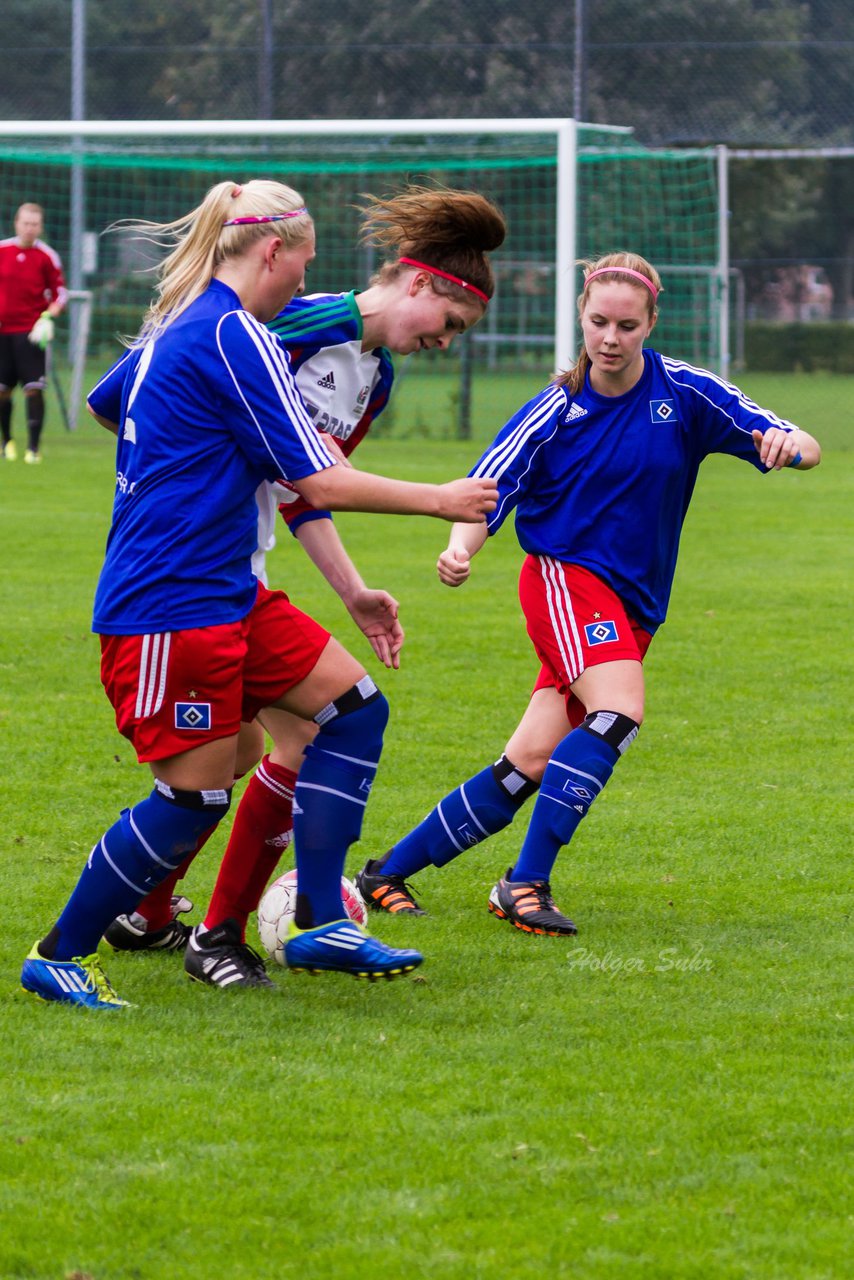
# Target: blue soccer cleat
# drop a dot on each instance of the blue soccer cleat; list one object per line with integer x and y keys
{"x": 79, "y": 981}
{"x": 343, "y": 947}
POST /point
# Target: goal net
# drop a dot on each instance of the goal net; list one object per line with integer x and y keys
{"x": 568, "y": 191}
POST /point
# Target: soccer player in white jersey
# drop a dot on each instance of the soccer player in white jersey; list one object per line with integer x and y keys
{"x": 435, "y": 285}
{"x": 206, "y": 408}
{"x": 600, "y": 468}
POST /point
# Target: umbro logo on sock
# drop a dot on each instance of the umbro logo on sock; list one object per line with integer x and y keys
{"x": 327, "y": 381}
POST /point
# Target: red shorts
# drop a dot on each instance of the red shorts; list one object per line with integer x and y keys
{"x": 575, "y": 621}
{"x": 177, "y": 690}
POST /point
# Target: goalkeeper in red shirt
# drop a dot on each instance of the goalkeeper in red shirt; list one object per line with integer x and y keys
{"x": 32, "y": 295}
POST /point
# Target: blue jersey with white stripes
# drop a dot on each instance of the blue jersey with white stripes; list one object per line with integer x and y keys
{"x": 604, "y": 482}
{"x": 206, "y": 411}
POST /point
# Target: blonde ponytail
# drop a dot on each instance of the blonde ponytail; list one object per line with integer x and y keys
{"x": 202, "y": 241}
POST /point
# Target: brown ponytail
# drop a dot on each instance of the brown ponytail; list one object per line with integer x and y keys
{"x": 448, "y": 229}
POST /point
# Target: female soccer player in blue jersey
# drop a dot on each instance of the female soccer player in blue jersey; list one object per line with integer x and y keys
{"x": 435, "y": 284}
{"x": 600, "y": 468}
{"x": 206, "y": 408}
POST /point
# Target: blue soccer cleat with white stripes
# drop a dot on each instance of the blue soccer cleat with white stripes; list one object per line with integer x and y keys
{"x": 343, "y": 947}
{"x": 79, "y": 981}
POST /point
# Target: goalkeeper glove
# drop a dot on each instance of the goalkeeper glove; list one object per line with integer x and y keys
{"x": 42, "y": 331}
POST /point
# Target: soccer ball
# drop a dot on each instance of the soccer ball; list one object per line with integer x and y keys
{"x": 279, "y": 903}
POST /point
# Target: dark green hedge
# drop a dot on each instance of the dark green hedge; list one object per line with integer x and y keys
{"x": 807, "y": 348}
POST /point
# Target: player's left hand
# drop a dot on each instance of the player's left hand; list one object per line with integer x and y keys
{"x": 375, "y": 614}
{"x": 42, "y": 331}
{"x": 776, "y": 448}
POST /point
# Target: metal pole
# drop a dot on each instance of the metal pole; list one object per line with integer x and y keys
{"x": 78, "y": 112}
{"x": 265, "y": 62}
{"x": 579, "y": 79}
{"x": 77, "y": 191}
{"x": 566, "y": 232}
{"x": 723, "y": 262}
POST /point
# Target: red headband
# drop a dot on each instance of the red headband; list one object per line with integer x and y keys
{"x": 446, "y": 275}
{"x": 627, "y": 271}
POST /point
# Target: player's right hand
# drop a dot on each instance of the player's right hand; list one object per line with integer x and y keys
{"x": 454, "y": 566}
{"x": 467, "y": 500}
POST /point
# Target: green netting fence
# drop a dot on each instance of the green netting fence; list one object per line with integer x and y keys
{"x": 663, "y": 204}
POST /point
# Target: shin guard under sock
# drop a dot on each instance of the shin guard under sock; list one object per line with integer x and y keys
{"x": 332, "y": 789}
{"x": 156, "y": 907}
{"x": 147, "y": 843}
{"x": 481, "y": 807}
{"x": 579, "y": 768}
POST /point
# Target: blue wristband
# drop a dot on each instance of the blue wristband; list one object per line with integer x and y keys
{"x": 793, "y": 462}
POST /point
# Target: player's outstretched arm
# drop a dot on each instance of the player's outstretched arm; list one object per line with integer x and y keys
{"x": 778, "y": 449}
{"x": 454, "y": 564}
{"x": 374, "y": 612}
{"x": 345, "y": 489}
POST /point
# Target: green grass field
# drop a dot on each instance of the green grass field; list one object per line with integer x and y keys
{"x": 668, "y": 1095}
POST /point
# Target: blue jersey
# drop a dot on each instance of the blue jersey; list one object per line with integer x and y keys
{"x": 206, "y": 412}
{"x": 604, "y": 482}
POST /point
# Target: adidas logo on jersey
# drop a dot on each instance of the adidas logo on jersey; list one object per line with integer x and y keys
{"x": 327, "y": 381}
{"x": 576, "y": 411}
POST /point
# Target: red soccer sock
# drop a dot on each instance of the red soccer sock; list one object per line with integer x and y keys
{"x": 156, "y": 907}
{"x": 262, "y": 830}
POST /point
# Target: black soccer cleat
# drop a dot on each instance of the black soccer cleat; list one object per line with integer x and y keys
{"x": 529, "y": 906}
{"x": 218, "y": 958}
{"x": 132, "y": 933}
{"x": 387, "y": 893}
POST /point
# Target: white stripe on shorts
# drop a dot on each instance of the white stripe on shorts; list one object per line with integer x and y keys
{"x": 153, "y": 669}
{"x": 562, "y": 616}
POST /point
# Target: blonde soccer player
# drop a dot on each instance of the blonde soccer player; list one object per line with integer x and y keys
{"x": 205, "y": 409}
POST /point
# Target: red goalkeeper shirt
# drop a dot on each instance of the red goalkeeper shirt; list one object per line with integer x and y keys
{"x": 30, "y": 279}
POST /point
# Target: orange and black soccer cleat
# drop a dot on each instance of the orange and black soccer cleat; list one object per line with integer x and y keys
{"x": 387, "y": 893}
{"x": 529, "y": 905}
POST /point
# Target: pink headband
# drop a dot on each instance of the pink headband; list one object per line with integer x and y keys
{"x": 446, "y": 275}
{"x": 627, "y": 271}
{"x": 267, "y": 217}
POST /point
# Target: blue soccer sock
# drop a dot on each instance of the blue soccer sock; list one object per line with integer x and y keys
{"x": 331, "y": 792}
{"x": 480, "y": 808}
{"x": 579, "y": 767}
{"x": 141, "y": 849}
